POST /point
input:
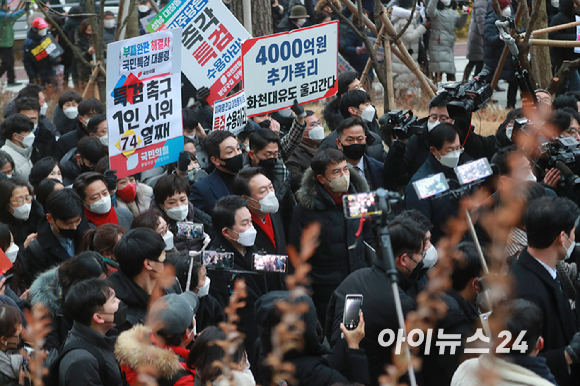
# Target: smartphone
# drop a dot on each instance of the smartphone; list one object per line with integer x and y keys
{"x": 222, "y": 260}
{"x": 473, "y": 171}
{"x": 8, "y": 280}
{"x": 357, "y": 205}
{"x": 190, "y": 230}
{"x": 270, "y": 263}
{"x": 352, "y": 309}
{"x": 430, "y": 186}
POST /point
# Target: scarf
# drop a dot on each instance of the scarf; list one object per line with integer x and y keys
{"x": 100, "y": 219}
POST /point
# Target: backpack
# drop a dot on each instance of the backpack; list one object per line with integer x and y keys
{"x": 54, "y": 359}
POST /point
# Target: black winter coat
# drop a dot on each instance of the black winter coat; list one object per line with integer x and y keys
{"x": 21, "y": 229}
{"x": 44, "y": 144}
{"x": 333, "y": 260}
{"x": 565, "y": 15}
{"x": 70, "y": 140}
{"x": 209, "y": 313}
{"x": 493, "y": 48}
{"x": 404, "y": 159}
{"x": 275, "y": 281}
{"x": 63, "y": 124}
{"x": 68, "y": 166}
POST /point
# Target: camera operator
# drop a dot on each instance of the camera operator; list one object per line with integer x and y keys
{"x": 504, "y": 135}
{"x": 445, "y": 154}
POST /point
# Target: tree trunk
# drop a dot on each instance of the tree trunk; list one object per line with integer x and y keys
{"x": 261, "y": 17}
{"x": 238, "y": 10}
{"x": 132, "y": 29}
{"x": 542, "y": 67}
{"x": 98, "y": 32}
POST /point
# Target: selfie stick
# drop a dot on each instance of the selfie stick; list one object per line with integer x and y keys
{"x": 386, "y": 253}
{"x": 192, "y": 255}
{"x": 476, "y": 241}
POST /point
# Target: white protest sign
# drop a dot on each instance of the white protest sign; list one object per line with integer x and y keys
{"x": 577, "y": 49}
{"x": 230, "y": 114}
{"x": 301, "y": 64}
{"x": 210, "y": 44}
{"x": 144, "y": 102}
{"x": 343, "y": 64}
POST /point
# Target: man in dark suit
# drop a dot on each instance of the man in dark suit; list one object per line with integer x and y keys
{"x": 550, "y": 227}
{"x": 352, "y": 141}
{"x": 254, "y": 186}
{"x": 224, "y": 152}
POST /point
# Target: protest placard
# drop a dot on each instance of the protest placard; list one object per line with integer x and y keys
{"x": 210, "y": 44}
{"x": 230, "y": 114}
{"x": 343, "y": 65}
{"x": 301, "y": 64}
{"x": 144, "y": 102}
{"x": 577, "y": 49}
{"x": 47, "y": 47}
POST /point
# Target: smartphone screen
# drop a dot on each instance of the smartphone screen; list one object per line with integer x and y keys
{"x": 430, "y": 186}
{"x": 190, "y": 230}
{"x": 270, "y": 263}
{"x": 357, "y": 205}
{"x": 473, "y": 171}
{"x": 213, "y": 259}
{"x": 352, "y": 307}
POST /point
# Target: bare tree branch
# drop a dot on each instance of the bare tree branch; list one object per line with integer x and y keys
{"x": 409, "y": 20}
{"x": 562, "y": 74}
{"x": 126, "y": 21}
{"x": 530, "y": 26}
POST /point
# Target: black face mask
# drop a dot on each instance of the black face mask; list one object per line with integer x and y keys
{"x": 67, "y": 233}
{"x": 20, "y": 344}
{"x": 355, "y": 151}
{"x": 235, "y": 163}
{"x": 267, "y": 164}
{"x": 84, "y": 168}
{"x": 265, "y": 124}
{"x": 120, "y": 317}
{"x": 414, "y": 276}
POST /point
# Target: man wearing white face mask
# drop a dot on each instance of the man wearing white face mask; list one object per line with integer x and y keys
{"x": 235, "y": 233}
{"x": 109, "y": 30}
{"x": 44, "y": 141}
{"x": 97, "y": 127}
{"x": 65, "y": 113}
{"x": 255, "y": 187}
{"x": 445, "y": 153}
{"x": 17, "y": 130}
{"x": 87, "y": 109}
{"x": 92, "y": 189}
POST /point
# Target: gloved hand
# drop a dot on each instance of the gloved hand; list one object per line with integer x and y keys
{"x": 184, "y": 161}
{"x": 110, "y": 177}
{"x": 573, "y": 349}
{"x": 206, "y": 241}
{"x": 201, "y": 94}
{"x": 298, "y": 110}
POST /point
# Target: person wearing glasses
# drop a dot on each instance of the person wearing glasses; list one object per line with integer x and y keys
{"x": 544, "y": 106}
{"x": 445, "y": 153}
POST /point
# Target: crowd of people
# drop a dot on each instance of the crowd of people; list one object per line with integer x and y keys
{"x": 137, "y": 273}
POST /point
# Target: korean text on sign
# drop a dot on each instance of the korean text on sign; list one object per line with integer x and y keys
{"x": 301, "y": 64}
{"x": 230, "y": 114}
{"x": 144, "y": 102}
{"x": 210, "y": 44}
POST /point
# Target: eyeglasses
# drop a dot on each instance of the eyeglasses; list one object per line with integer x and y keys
{"x": 572, "y": 131}
{"x": 20, "y": 201}
{"x": 546, "y": 101}
{"x": 440, "y": 118}
{"x": 314, "y": 124}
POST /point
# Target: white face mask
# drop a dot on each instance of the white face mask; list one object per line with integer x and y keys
{"x": 268, "y": 204}
{"x": 178, "y": 213}
{"x": 451, "y": 159}
{"x": 104, "y": 140}
{"x": 531, "y": 177}
{"x": 368, "y": 114}
{"x": 42, "y": 33}
{"x": 71, "y": 112}
{"x": 340, "y": 184}
{"x": 12, "y": 252}
{"x": 432, "y": 125}
{"x": 203, "y": 291}
{"x": 509, "y": 131}
{"x": 168, "y": 238}
{"x": 446, "y": 2}
{"x": 506, "y": 12}
{"x": 28, "y": 140}
{"x": 143, "y": 8}
{"x": 22, "y": 212}
{"x": 247, "y": 237}
{"x": 43, "y": 109}
{"x": 102, "y": 206}
{"x": 301, "y": 21}
{"x": 570, "y": 249}
{"x": 555, "y": 3}
{"x": 109, "y": 23}
{"x": 316, "y": 134}
{"x": 431, "y": 257}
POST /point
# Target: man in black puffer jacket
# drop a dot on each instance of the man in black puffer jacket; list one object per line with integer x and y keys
{"x": 320, "y": 200}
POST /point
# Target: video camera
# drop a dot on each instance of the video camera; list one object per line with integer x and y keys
{"x": 470, "y": 96}
{"x": 403, "y": 122}
{"x": 563, "y": 149}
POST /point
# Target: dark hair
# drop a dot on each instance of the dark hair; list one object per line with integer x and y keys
{"x": 443, "y": 132}
{"x": 43, "y": 190}
{"x": 84, "y": 180}
{"x": 16, "y": 124}
{"x": 136, "y": 246}
{"x": 419, "y": 218}
{"x": 190, "y": 119}
{"x": 546, "y": 217}
{"x": 324, "y": 158}
{"x": 262, "y": 138}
{"x": 205, "y": 352}
{"x": 502, "y": 158}
{"x": 213, "y": 141}
{"x": 147, "y": 219}
{"x": 103, "y": 239}
{"x": 85, "y": 24}
{"x": 241, "y": 183}
{"x": 347, "y": 124}
{"x": 94, "y": 123}
{"x": 320, "y": 16}
{"x": 224, "y": 212}
{"x": 69, "y": 96}
{"x": 31, "y": 90}
{"x": 9, "y": 318}
{"x": 564, "y": 100}
{"x": 352, "y": 98}
{"x": 7, "y": 186}
{"x": 91, "y": 148}
{"x": 85, "y": 265}
{"x": 574, "y": 113}
{"x": 406, "y": 237}
{"x": 513, "y": 114}
{"x": 64, "y": 204}
{"x": 560, "y": 119}
{"x": 26, "y": 103}
{"x": 466, "y": 269}
{"x": 85, "y": 298}
{"x": 168, "y": 185}
{"x": 5, "y": 239}
{"x": 344, "y": 80}
{"x": 309, "y": 113}
{"x": 521, "y": 315}
{"x": 109, "y": 13}
{"x": 6, "y": 158}
{"x": 102, "y": 166}
{"x": 91, "y": 106}
{"x": 41, "y": 169}
{"x": 187, "y": 140}
{"x": 438, "y": 103}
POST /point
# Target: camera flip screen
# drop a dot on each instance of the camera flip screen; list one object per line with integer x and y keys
{"x": 431, "y": 186}
{"x": 213, "y": 259}
{"x": 473, "y": 171}
{"x": 357, "y": 205}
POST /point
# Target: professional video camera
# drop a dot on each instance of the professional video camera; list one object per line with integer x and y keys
{"x": 470, "y": 96}
{"x": 563, "y": 149}
{"x": 403, "y": 122}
